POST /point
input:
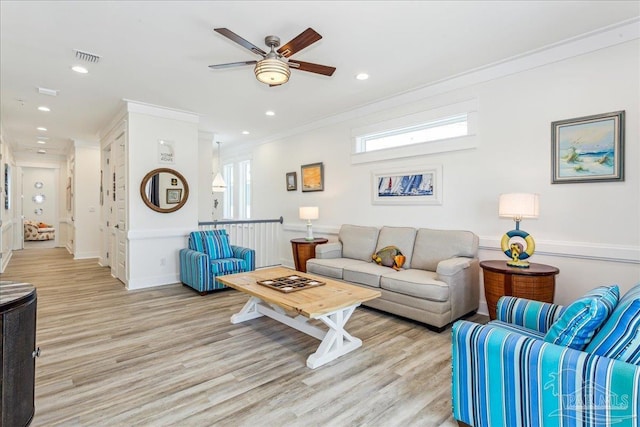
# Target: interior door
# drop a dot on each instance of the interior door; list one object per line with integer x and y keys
{"x": 119, "y": 197}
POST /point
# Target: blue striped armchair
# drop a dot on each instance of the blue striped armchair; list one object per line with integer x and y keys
{"x": 507, "y": 373}
{"x": 209, "y": 254}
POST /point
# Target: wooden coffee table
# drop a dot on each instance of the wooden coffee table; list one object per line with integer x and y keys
{"x": 332, "y": 303}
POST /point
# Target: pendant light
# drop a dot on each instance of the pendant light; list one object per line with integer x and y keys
{"x": 218, "y": 185}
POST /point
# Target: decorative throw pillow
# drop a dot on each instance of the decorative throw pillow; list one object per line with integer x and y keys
{"x": 583, "y": 318}
{"x": 389, "y": 256}
{"x": 216, "y": 244}
{"x": 619, "y": 338}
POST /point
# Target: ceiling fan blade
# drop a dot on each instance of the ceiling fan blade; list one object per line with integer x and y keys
{"x": 242, "y": 42}
{"x": 311, "y": 67}
{"x": 232, "y": 64}
{"x": 302, "y": 40}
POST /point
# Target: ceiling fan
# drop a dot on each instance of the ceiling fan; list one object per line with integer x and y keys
{"x": 274, "y": 68}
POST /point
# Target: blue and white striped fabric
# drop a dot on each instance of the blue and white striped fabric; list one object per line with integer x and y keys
{"x": 502, "y": 378}
{"x": 216, "y": 244}
{"x": 583, "y": 318}
{"x": 199, "y": 270}
{"x": 535, "y": 315}
{"x": 619, "y": 338}
{"x": 512, "y": 327}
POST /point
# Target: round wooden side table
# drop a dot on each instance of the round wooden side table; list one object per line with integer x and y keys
{"x": 538, "y": 282}
{"x": 303, "y": 250}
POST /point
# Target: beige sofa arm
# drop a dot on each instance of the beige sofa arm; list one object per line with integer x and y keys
{"x": 451, "y": 266}
{"x": 329, "y": 250}
{"x": 463, "y": 277}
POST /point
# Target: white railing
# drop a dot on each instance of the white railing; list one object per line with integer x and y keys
{"x": 261, "y": 235}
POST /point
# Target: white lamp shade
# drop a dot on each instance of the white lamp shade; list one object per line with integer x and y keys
{"x": 519, "y": 205}
{"x": 218, "y": 184}
{"x": 309, "y": 212}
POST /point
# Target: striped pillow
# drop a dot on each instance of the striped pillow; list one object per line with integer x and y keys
{"x": 216, "y": 244}
{"x": 620, "y": 337}
{"x": 583, "y": 318}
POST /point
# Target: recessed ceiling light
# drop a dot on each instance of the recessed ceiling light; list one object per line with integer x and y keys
{"x": 79, "y": 69}
{"x": 245, "y": 132}
{"x": 270, "y": 113}
{"x": 41, "y": 151}
{"x": 362, "y": 76}
{"x": 43, "y": 108}
{"x": 42, "y": 128}
{"x": 41, "y": 141}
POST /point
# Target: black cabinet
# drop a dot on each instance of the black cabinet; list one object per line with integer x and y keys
{"x": 17, "y": 353}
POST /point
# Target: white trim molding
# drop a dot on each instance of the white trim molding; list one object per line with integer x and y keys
{"x": 580, "y": 250}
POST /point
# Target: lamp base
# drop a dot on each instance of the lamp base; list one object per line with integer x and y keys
{"x": 518, "y": 264}
{"x": 309, "y": 236}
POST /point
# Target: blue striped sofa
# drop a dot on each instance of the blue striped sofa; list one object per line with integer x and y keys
{"x": 209, "y": 255}
{"x": 505, "y": 373}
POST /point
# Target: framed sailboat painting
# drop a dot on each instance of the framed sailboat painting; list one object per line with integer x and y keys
{"x": 408, "y": 187}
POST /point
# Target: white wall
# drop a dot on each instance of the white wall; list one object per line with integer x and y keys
{"x": 591, "y": 231}
{"x": 6, "y": 215}
{"x": 86, "y": 200}
{"x": 154, "y": 238}
{"x": 205, "y": 177}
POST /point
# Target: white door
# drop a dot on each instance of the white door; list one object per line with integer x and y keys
{"x": 119, "y": 197}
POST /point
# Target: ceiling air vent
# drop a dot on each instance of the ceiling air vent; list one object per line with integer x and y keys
{"x": 86, "y": 56}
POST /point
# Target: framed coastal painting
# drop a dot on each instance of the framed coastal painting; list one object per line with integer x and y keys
{"x": 312, "y": 176}
{"x": 408, "y": 187}
{"x": 292, "y": 181}
{"x": 174, "y": 195}
{"x": 588, "y": 149}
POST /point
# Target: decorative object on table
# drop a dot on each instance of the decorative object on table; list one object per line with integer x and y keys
{"x": 292, "y": 181}
{"x": 290, "y": 283}
{"x": 309, "y": 213}
{"x": 407, "y": 187}
{"x": 587, "y": 149}
{"x": 273, "y": 70}
{"x": 218, "y": 185}
{"x": 389, "y": 256}
{"x": 518, "y": 206}
{"x": 312, "y": 176}
{"x": 174, "y": 195}
{"x": 166, "y": 152}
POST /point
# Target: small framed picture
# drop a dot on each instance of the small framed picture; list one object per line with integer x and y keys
{"x": 174, "y": 195}
{"x": 292, "y": 181}
{"x": 312, "y": 177}
{"x": 588, "y": 149}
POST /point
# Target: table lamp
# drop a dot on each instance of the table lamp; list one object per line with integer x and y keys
{"x": 309, "y": 213}
{"x": 518, "y": 206}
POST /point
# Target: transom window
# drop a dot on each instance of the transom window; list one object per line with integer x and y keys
{"x": 450, "y": 127}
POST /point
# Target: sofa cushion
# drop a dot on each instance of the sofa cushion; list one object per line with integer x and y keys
{"x": 227, "y": 266}
{"x": 619, "y": 338}
{"x": 216, "y": 244}
{"x": 416, "y": 283}
{"x": 583, "y": 318}
{"x": 331, "y": 267}
{"x": 433, "y": 246}
{"x": 401, "y": 237}
{"x": 366, "y": 273}
{"x": 358, "y": 242}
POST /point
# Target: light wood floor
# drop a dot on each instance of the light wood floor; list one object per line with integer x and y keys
{"x": 167, "y": 356}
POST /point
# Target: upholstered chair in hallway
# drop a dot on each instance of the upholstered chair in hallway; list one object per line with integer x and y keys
{"x": 209, "y": 254}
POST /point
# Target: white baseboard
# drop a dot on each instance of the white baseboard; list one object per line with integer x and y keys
{"x": 151, "y": 282}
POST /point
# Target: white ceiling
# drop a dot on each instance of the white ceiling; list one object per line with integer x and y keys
{"x": 157, "y": 52}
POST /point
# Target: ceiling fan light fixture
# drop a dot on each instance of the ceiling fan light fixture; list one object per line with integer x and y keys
{"x": 272, "y": 71}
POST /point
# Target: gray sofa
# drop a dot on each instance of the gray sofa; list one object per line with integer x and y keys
{"x": 437, "y": 284}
